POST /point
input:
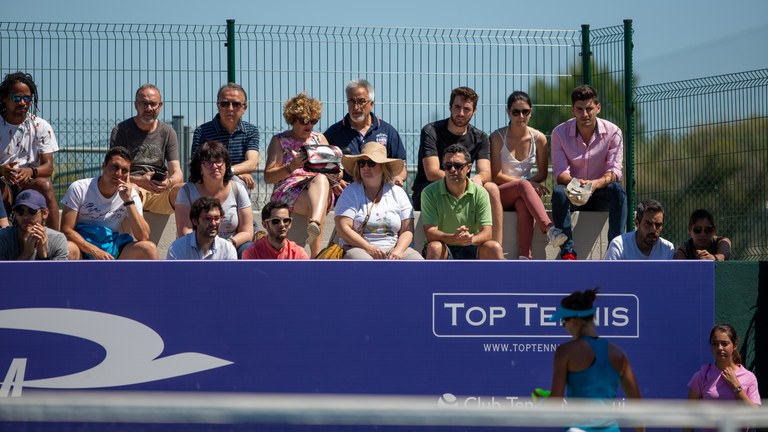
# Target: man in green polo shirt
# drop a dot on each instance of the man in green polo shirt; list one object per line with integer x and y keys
{"x": 456, "y": 213}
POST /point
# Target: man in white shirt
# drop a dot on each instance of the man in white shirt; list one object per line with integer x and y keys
{"x": 645, "y": 242}
{"x": 27, "y": 144}
{"x": 99, "y": 213}
{"x": 203, "y": 243}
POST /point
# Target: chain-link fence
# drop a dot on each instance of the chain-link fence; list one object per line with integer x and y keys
{"x": 87, "y": 75}
{"x": 703, "y": 143}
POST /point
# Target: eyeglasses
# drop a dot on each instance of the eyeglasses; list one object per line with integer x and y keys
{"x": 457, "y": 166}
{"x": 306, "y": 122}
{"x": 19, "y": 98}
{"x": 285, "y": 221}
{"x": 211, "y": 219}
{"x": 20, "y": 211}
{"x": 358, "y": 102}
{"x": 213, "y": 163}
{"x": 517, "y": 112}
{"x": 699, "y": 229}
{"x": 150, "y": 105}
{"x": 366, "y": 162}
{"x": 233, "y": 104}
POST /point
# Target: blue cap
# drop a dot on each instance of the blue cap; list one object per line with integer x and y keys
{"x": 30, "y": 198}
{"x": 563, "y": 313}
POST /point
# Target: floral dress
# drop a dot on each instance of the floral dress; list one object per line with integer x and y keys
{"x": 289, "y": 189}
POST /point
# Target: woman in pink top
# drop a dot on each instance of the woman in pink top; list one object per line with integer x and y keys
{"x": 515, "y": 150}
{"x": 727, "y": 378}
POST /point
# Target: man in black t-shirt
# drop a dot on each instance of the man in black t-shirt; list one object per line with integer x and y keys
{"x": 437, "y": 136}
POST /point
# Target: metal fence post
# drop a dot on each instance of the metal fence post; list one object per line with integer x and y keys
{"x": 586, "y": 55}
{"x": 629, "y": 112}
{"x": 231, "y": 50}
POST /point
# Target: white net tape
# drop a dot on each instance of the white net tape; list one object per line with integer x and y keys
{"x": 229, "y": 408}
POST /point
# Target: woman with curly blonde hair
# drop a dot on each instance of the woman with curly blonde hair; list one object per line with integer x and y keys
{"x": 308, "y": 193}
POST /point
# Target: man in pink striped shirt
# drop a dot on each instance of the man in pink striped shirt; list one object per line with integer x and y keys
{"x": 589, "y": 150}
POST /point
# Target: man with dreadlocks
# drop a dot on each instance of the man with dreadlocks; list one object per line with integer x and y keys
{"x": 27, "y": 144}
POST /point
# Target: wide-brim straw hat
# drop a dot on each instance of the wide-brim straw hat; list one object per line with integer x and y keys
{"x": 375, "y": 152}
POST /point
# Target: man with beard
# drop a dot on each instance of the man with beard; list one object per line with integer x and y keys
{"x": 27, "y": 144}
{"x": 361, "y": 126}
{"x": 203, "y": 243}
{"x": 29, "y": 239}
{"x": 152, "y": 145}
{"x": 276, "y": 219}
{"x": 456, "y": 213}
{"x": 239, "y": 137}
{"x": 437, "y": 136}
{"x": 645, "y": 242}
{"x": 100, "y": 212}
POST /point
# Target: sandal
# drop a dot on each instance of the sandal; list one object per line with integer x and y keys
{"x": 313, "y": 230}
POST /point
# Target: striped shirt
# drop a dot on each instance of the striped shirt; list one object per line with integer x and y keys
{"x": 244, "y": 138}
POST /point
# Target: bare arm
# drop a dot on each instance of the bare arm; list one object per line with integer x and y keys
{"x": 542, "y": 159}
{"x": 482, "y": 171}
{"x": 559, "y": 373}
{"x": 275, "y": 170}
{"x": 432, "y": 168}
{"x": 249, "y": 165}
{"x": 183, "y": 224}
{"x": 496, "y": 175}
{"x": 244, "y": 226}
{"x": 404, "y": 239}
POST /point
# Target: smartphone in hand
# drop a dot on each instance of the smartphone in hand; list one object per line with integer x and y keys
{"x": 158, "y": 176}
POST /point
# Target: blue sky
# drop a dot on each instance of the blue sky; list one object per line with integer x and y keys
{"x": 674, "y": 39}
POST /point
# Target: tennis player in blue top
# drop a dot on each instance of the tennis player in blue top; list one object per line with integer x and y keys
{"x": 589, "y": 367}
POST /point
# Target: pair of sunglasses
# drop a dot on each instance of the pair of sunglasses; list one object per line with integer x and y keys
{"x": 285, "y": 221}
{"x": 708, "y": 230}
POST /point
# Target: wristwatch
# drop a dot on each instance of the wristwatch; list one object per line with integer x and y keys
{"x": 737, "y": 389}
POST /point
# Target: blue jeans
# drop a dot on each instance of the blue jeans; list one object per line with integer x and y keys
{"x": 612, "y": 198}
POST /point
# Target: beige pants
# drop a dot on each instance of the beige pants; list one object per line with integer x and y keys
{"x": 360, "y": 254}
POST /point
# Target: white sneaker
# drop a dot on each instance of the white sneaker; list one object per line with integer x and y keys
{"x": 556, "y": 236}
{"x": 522, "y": 258}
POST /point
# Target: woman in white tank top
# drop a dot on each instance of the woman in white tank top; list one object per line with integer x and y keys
{"x": 515, "y": 150}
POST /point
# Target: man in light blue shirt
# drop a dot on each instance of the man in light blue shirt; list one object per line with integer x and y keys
{"x": 645, "y": 242}
{"x": 203, "y": 243}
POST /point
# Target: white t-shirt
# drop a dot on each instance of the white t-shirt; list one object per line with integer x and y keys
{"x": 384, "y": 224}
{"x": 624, "y": 247}
{"x": 237, "y": 199}
{"x": 23, "y": 143}
{"x": 92, "y": 207}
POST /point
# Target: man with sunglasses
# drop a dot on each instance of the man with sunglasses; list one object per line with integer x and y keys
{"x": 152, "y": 144}
{"x": 276, "y": 219}
{"x": 239, "y": 137}
{"x": 587, "y": 151}
{"x": 456, "y": 213}
{"x": 645, "y": 242}
{"x": 29, "y": 239}
{"x": 203, "y": 243}
{"x": 27, "y": 144}
{"x": 437, "y": 136}
{"x": 361, "y": 126}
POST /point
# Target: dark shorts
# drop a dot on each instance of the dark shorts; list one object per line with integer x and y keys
{"x": 457, "y": 252}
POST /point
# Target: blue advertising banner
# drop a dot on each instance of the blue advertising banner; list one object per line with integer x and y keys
{"x": 458, "y": 331}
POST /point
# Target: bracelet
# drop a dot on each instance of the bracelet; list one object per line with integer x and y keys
{"x": 129, "y": 203}
{"x": 34, "y": 172}
{"x": 737, "y": 390}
